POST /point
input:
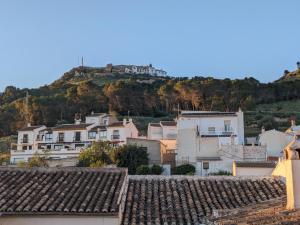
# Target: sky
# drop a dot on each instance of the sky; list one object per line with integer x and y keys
{"x": 40, "y": 40}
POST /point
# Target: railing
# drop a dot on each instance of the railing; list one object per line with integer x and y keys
{"x": 60, "y": 139}
{"x": 115, "y": 137}
{"x": 217, "y": 133}
{"x": 24, "y": 140}
{"x": 76, "y": 139}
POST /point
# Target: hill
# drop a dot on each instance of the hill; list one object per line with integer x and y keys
{"x": 86, "y": 89}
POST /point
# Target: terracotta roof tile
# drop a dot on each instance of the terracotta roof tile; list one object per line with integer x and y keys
{"x": 189, "y": 200}
{"x": 81, "y": 126}
{"x": 31, "y": 128}
{"x": 60, "y": 191}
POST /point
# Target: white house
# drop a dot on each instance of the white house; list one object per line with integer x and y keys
{"x": 68, "y": 140}
{"x": 212, "y": 140}
{"x": 145, "y": 70}
{"x": 164, "y": 130}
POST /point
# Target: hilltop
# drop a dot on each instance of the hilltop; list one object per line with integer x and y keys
{"x": 145, "y": 96}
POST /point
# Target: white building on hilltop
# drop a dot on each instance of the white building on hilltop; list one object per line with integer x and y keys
{"x": 212, "y": 140}
{"x": 68, "y": 140}
{"x": 145, "y": 70}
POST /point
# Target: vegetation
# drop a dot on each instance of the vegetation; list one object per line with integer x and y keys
{"x": 221, "y": 173}
{"x": 83, "y": 89}
{"x": 102, "y": 153}
{"x": 149, "y": 170}
{"x": 131, "y": 157}
{"x": 185, "y": 169}
{"x": 35, "y": 161}
{"x": 98, "y": 155}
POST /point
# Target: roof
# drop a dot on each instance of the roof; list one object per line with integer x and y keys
{"x": 116, "y": 124}
{"x": 60, "y": 191}
{"x": 168, "y": 123}
{"x": 154, "y": 124}
{"x": 31, "y": 128}
{"x": 272, "y": 212}
{"x": 208, "y": 158}
{"x": 96, "y": 114}
{"x": 187, "y": 200}
{"x": 258, "y": 164}
{"x": 205, "y": 114}
{"x": 102, "y": 128}
{"x": 81, "y": 126}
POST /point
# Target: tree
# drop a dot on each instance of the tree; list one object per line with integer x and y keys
{"x": 130, "y": 156}
{"x": 37, "y": 161}
{"x": 98, "y": 155}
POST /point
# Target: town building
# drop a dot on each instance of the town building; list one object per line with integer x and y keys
{"x": 164, "y": 130}
{"x": 149, "y": 69}
{"x": 201, "y": 134}
{"x": 253, "y": 168}
{"x": 68, "y": 140}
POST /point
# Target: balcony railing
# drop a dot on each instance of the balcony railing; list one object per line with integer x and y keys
{"x": 115, "y": 137}
{"x": 221, "y": 132}
{"x": 24, "y": 140}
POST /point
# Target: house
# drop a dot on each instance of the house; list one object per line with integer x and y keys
{"x": 162, "y": 130}
{"x": 149, "y": 69}
{"x": 253, "y": 168}
{"x": 275, "y": 141}
{"x": 201, "y": 134}
{"x": 69, "y": 196}
{"x": 68, "y": 140}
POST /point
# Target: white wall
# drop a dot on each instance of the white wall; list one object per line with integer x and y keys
{"x": 275, "y": 141}
{"x": 58, "y": 220}
{"x": 169, "y": 132}
{"x": 155, "y": 133}
{"x": 252, "y": 171}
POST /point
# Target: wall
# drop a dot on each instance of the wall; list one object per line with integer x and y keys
{"x": 251, "y": 171}
{"x": 153, "y": 148}
{"x": 293, "y": 183}
{"x": 168, "y": 152}
{"x": 155, "y": 133}
{"x": 275, "y": 141}
{"x": 58, "y": 220}
{"x": 169, "y": 132}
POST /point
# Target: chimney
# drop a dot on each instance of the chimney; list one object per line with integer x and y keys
{"x": 263, "y": 130}
{"x": 124, "y": 122}
{"x": 77, "y": 118}
{"x": 292, "y": 168}
{"x": 28, "y": 124}
{"x": 130, "y": 120}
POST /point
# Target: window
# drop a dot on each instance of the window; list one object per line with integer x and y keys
{"x": 48, "y": 147}
{"x": 227, "y": 126}
{"x": 24, "y": 148}
{"x": 61, "y": 137}
{"x": 205, "y": 165}
{"x": 25, "y": 138}
{"x": 116, "y": 135}
{"x": 48, "y": 137}
{"x": 30, "y": 147}
{"x": 57, "y": 147}
{"x": 211, "y": 129}
{"x": 103, "y": 134}
{"x": 92, "y": 134}
{"x": 77, "y": 136}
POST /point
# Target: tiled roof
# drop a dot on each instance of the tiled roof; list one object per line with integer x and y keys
{"x": 155, "y": 125}
{"x": 116, "y": 124}
{"x": 272, "y": 212}
{"x": 168, "y": 123}
{"x": 262, "y": 164}
{"x": 206, "y": 114}
{"x": 60, "y": 191}
{"x": 81, "y": 126}
{"x": 31, "y": 128}
{"x": 102, "y": 128}
{"x": 183, "y": 200}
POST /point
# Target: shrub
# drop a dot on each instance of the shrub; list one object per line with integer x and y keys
{"x": 185, "y": 169}
{"x": 221, "y": 173}
{"x": 143, "y": 170}
{"x": 156, "y": 170}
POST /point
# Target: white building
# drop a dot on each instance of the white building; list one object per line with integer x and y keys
{"x": 145, "y": 70}
{"x": 68, "y": 140}
{"x": 164, "y": 130}
{"x": 213, "y": 140}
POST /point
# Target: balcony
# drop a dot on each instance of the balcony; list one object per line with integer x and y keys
{"x": 24, "y": 140}
{"x": 76, "y": 139}
{"x": 115, "y": 137}
{"x": 60, "y": 139}
{"x": 218, "y": 133}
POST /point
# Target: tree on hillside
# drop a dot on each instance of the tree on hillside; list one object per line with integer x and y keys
{"x": 131, "y": 157}
{"x": 98, "y": 155}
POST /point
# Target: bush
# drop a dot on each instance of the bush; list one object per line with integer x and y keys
{"x": 143, "y": 170}
{"x": 185, "y": 169}
{"x": 156, "y": 170}
{"x": 221, "y": 173}
{"x": 149, "y": 170}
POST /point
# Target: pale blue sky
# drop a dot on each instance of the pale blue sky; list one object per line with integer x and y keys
{"x": 41, "y": 39}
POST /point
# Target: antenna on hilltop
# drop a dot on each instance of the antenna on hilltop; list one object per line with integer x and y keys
{"x": 82, "y": 61}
